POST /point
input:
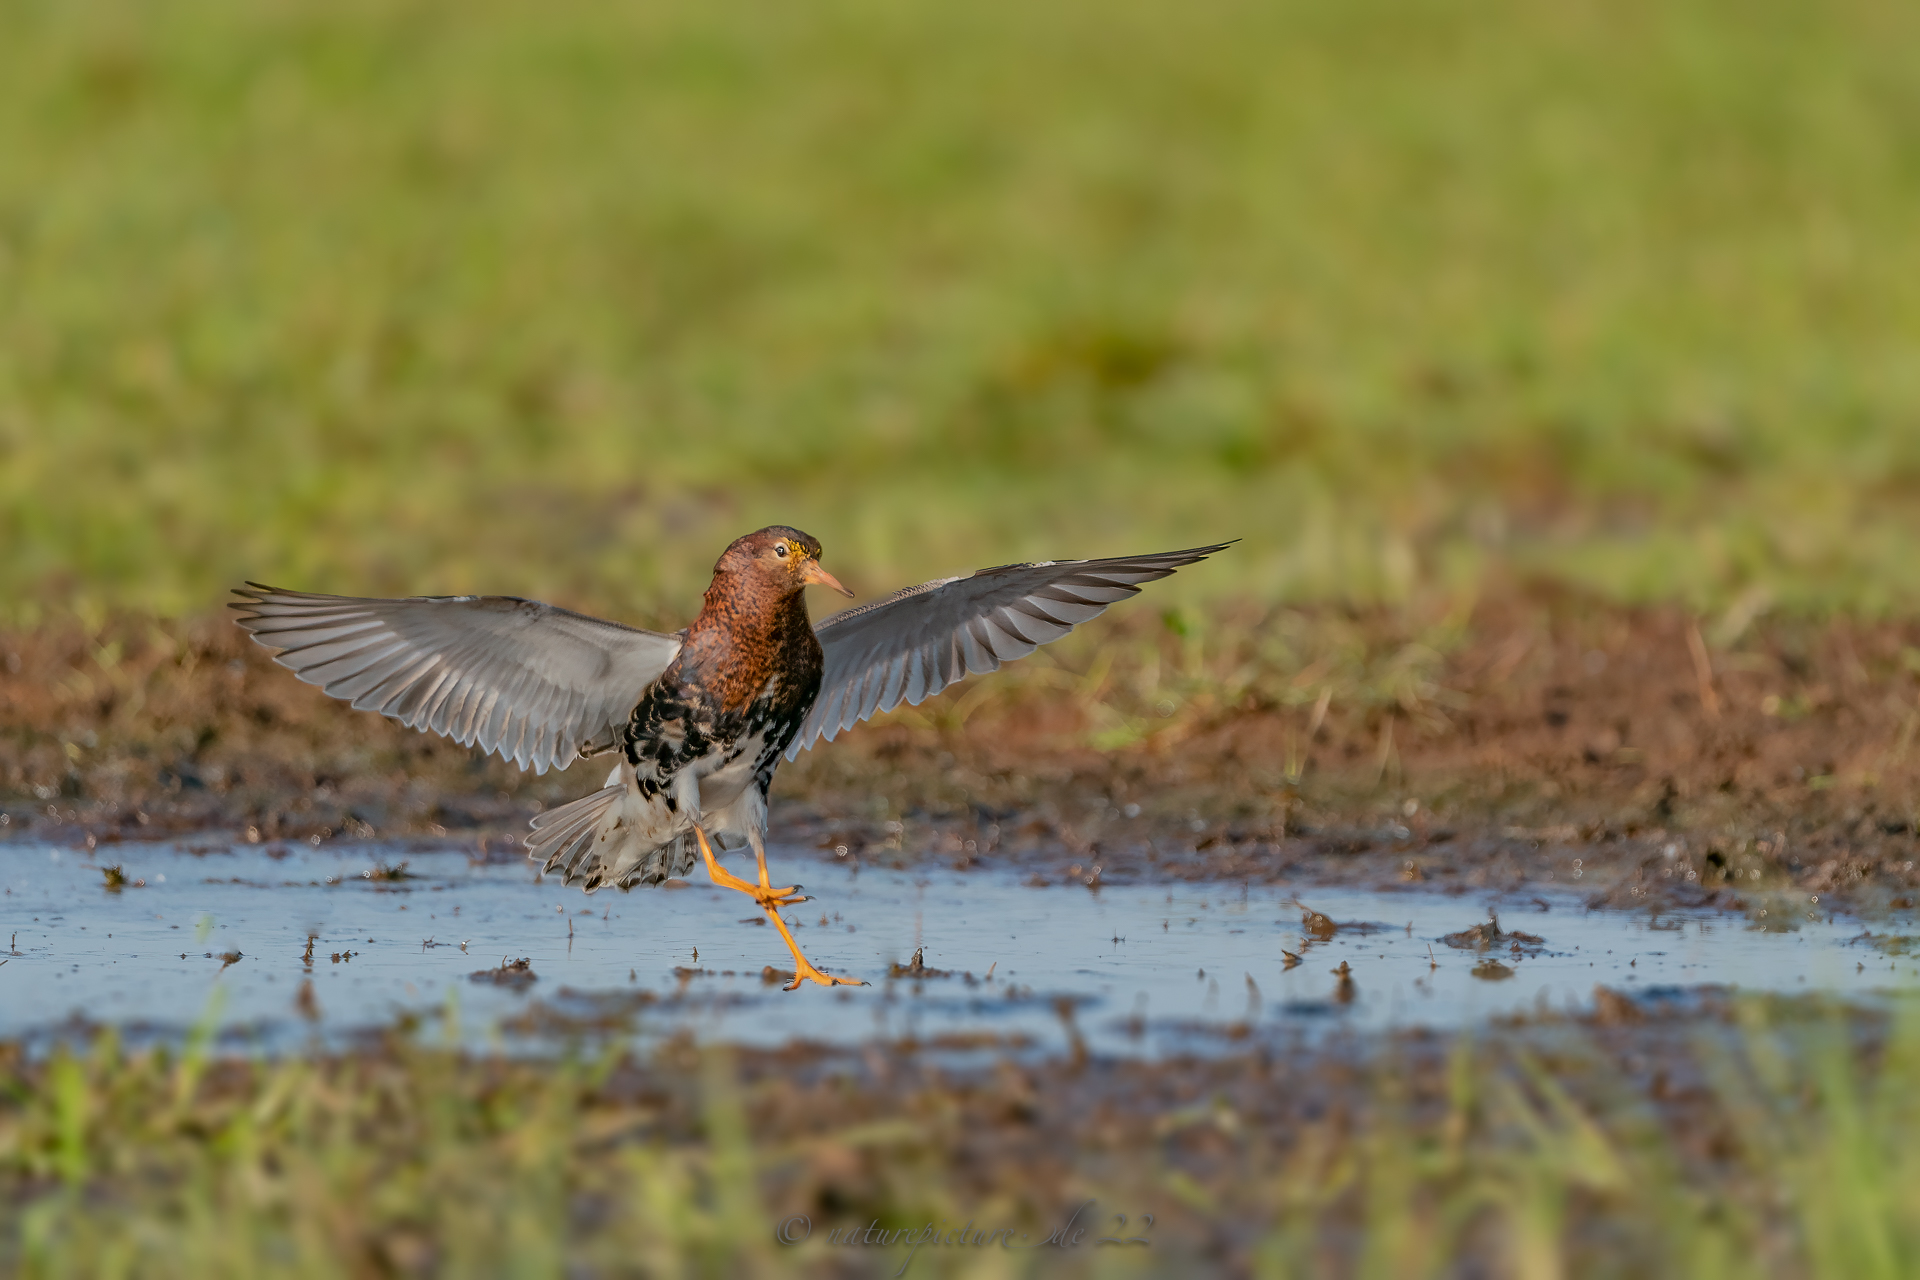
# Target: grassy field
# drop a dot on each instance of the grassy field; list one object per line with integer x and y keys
{"x": 1782, "y": 1146}
{"x": 1416, "y": 298}
{"x": 556, "y": 298}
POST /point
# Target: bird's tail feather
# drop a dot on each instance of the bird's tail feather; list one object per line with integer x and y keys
{"x": 594, "y": 842}
{"x": 563, "y": 836}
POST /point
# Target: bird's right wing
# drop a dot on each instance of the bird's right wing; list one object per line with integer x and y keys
{"x": 536, "y": 684}
{"x": 916, "y": 642}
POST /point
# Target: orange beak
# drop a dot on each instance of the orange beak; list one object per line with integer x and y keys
{"x": 812, "y": 572}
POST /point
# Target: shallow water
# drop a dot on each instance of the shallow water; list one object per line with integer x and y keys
{"x": 1142, "y": 969}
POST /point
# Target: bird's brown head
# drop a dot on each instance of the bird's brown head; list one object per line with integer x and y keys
{"x": 776, "y": 558}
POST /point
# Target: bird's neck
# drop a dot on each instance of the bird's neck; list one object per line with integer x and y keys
{"x": 746, "y": 632}
{"x": 750, "y": 611}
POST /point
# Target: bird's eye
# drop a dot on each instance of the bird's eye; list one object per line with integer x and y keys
{"x": 780, "y": 549}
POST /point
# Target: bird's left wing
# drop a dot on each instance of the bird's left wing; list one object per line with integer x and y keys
{"x": 535, "y": 683}
{"x": 916, "y": 642}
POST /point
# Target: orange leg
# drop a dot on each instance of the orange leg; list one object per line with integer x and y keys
{"x": 803, "y": 970}
{"x": 719, "y": 874}
{"x": 772, "y": 899}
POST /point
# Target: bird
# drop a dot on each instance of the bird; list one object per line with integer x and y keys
{"x": 697, "y": 721}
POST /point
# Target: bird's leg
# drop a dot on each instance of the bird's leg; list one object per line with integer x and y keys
{"x": 772, "y": 899}
{"x": 780, "y": 897}
{"x": 763, "y": 893}
{"x": 803, "y": 970}
{"x": 719, "y": 874}
{"x": 759, "y": 844}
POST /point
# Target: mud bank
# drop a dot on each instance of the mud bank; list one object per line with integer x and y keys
{"x": 1533, "y": 735}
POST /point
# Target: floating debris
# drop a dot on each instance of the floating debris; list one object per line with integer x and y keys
{"x": 1320, "y": 927}
{"x": 917, "y": 968}
{"x": 1484, "y": 937}
{"x": 515, "y": 975}
{"x": 381, "y": 871}
{"x": 1887, "y": 944}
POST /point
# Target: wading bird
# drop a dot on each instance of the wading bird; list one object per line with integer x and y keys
{"x": 700, "y": 719}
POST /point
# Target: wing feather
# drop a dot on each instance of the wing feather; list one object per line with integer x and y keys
{"x": 412, "y": 706}
{"x": 919, "y": 662}
{"x": 530, "y": 682}
{"x": 1004, "y": 640}
{"x": 916, "y": 642}
{"x": 1031, "y": 623}
{"x": 973, "y": 646}
{"x": 896, "y": 675}
{"x": 396, "y": 678}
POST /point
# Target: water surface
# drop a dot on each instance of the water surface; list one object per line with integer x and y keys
{"x": 1133, "y": 969}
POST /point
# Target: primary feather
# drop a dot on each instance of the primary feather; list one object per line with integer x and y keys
{"x": 536, "y": 684}
{"x": 916, "y": 642}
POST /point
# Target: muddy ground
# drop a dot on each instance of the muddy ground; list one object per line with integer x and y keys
{"x": 1533, "y": 736}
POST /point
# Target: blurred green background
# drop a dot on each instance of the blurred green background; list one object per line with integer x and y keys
{"x": 557, "y": 298}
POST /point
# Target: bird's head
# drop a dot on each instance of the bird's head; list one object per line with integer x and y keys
{"x": 783, "y": 559}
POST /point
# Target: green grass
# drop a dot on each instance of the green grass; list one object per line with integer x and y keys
{"x": 1538, "y": 1161}
{"x": 556, "y": 298}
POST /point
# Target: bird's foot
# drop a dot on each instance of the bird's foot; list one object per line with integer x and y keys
{"x": 803, "y": 971}
{"x": 803, "y": 968}
{"x": 727, "y": 880}
{"x": 772, "y": 899}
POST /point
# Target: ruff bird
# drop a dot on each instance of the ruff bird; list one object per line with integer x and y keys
{"x": 699, "y": 719}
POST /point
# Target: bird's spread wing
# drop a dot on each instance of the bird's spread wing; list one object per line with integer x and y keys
{"x": 532, "y": 682}
{"x": 918, "y": 641}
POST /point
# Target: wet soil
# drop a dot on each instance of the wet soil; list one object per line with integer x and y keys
{"x": 1533, "y": 737}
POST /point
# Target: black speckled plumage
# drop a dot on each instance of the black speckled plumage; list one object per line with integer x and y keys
{"x": 703, "y": 741}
